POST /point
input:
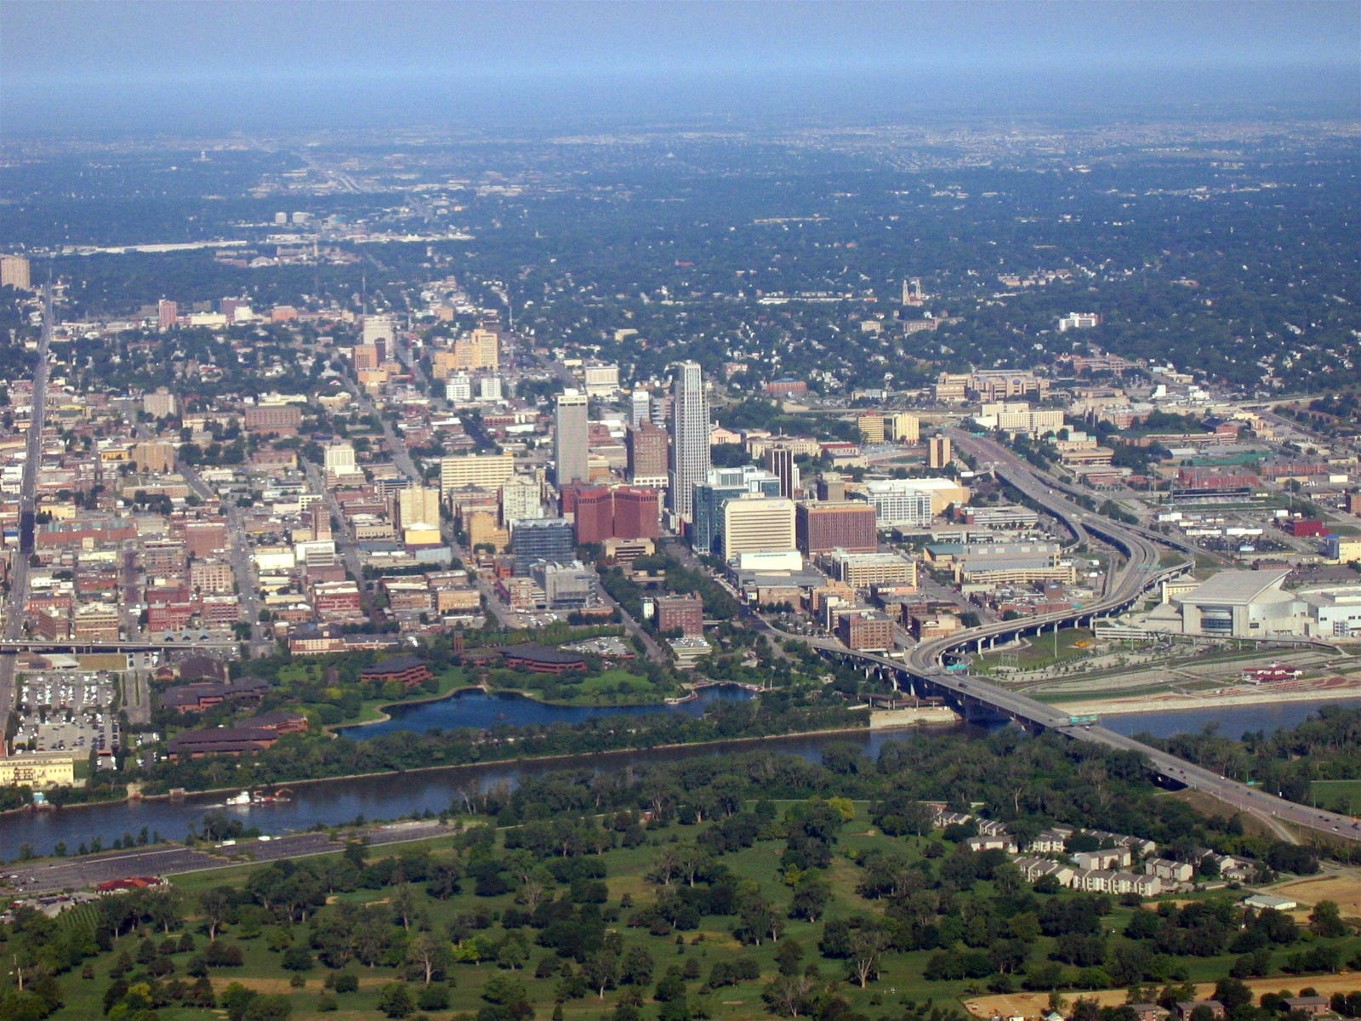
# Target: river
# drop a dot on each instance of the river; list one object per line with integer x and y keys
{"x": 333, "y": 802}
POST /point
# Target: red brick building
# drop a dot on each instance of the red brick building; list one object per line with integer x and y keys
{"x": 637, "y": 513}
{"x": 682, "y": 613}
{"x": 407, "y": 670}
{"x": 820, "y": 528}
{"x": 284, "y": 420}
{"x": 203, "y": 538}
{"x": 594, "y": 510}
{"x": 869, "y": 630}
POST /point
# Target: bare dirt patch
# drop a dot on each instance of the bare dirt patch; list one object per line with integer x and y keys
{"x": 1035, "y": 1005}
{"x": 1344, "y": 888}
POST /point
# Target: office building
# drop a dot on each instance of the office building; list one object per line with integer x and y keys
{"x": 637, "y": 513}
{"x": 689, "y": 439}
{"x": 898, "y": 502}
{"x": 154, "y": 456}
{"x": 902, "y": 427}
{"x": 340, "y": 463}
{"x": 571, "y": 439}
{"x": 640, "y": 408}
{"x": 520, "y": 499}
{"x": 865, "y": 631}
{"x": 831, "y": 488}
{"x": 649, "y": 450}
{"x": 1079, "y": 321}
{"x": 600, "y": 379}
{"x": 486, "y": 471}
{"x": 819, "y": 527}
{"x": 757, "y": 524}
{"x": 780, "y": 463}
{"x": 490, "y": 389}
{"x": 720, "y": 486}
{"x": 593, "y": 512}
{"x": 458, "y": 388}
{"x": 938, "y": 452}
{"x": 167, "y": 313}
{"x": 871, "y": 426}
{"x": 569, "y": 586}
{"x": 380, "y": 331}
{"x": 864, "y": 570}
{"x": 541, "y": 539}
{"x": 15, "y": 272}
{"x": 680, "y": 613}
{"x": 418, "y": 505}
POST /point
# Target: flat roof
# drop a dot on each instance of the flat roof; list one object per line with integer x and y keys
{"x": 1236, "y": 588}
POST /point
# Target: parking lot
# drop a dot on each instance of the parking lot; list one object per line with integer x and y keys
{"x": 68, "y": 713}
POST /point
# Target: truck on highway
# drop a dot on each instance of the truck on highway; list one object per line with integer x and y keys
{"x": 1083, "y": 721}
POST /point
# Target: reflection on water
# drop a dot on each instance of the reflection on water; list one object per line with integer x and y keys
{"x": 483, "y": 711}
{"x": 333, "y": 802}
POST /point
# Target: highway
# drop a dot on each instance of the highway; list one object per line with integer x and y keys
{"x": 28, "y": 507}
{"x": 1127, "y": 582}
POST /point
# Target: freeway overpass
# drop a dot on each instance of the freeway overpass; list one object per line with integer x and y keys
{"x": 1127, "y": 583}
{"x": 75, "y": 646}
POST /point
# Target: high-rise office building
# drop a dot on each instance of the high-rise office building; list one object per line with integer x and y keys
{"x": 541, "y": 539}
{"x": 520, "y": 499}
{"x": 689, "y": 439}
{"x": 903, "y": 427}
{"x": 593, "y": 510}
{"x": 819, "y": 527}
{"x": 649, "y": 449}
{"x": 379, "y": 330}
{"x": 458, "y": 388}
{"x": 15, "y": 272}
{"x": 637, "y": 513}
{"x": 757, "y": 524}
{"x": 418, "y": 505}
{"x": 938, "y": 452}
{"x": 166, "y": 314}
{"x": 780, "y": 462}
{"x": 640, "y": 407}
{"x": 571, "y": 439}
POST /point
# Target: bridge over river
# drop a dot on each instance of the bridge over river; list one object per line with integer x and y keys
{"x": 1126, "y": 584}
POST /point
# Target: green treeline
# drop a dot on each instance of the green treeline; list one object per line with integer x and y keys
{"x": 727, "y": 887}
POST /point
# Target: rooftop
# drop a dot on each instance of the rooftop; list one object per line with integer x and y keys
{"x": 1238, "y": 588}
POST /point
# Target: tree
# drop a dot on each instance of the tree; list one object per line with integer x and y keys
{"x": 1326, "y": 921}
{"x": 636, "y": 967}
{"x": 395, "y": 1000}
{"x": 867, "y": 947}
{"x": 789, "y": 995}
{"x": 810, "y": 897}
{"x": 428, "y": 956}
{"x": 215, "y": 906}
{"x": 601, "y": 969}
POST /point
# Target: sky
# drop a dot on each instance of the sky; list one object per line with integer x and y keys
{"x": 74, "y": 65}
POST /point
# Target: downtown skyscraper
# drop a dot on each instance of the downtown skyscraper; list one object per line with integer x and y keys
{"x": 689, "y": 439}
{"x": 571, "y": 440}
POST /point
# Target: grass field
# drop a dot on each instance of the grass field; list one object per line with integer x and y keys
{"x": 1337, "y": 795}
{"x": 1044, "y": 651}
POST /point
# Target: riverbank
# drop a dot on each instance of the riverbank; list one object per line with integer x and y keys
{"x": 385, "y": 716}
{"x": 1220, "y": 699}
{"x": 453, "y": 768}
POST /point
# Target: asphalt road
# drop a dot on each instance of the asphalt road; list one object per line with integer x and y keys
{"x": 176, "y": 859}
{"x": 1126, "y": 583}
{"x": 28, "y": 502}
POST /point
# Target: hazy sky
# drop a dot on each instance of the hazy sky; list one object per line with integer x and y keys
{"x": 118, "y": 63}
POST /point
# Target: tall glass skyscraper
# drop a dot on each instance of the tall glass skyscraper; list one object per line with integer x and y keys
{"x": 689, "y": 439}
